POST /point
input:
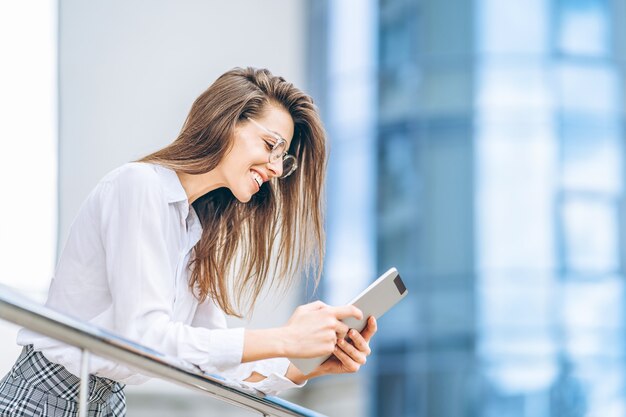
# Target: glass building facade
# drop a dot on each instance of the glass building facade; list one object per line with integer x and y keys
{"x": 482, "y": 144}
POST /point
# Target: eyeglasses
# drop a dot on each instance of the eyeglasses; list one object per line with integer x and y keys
{"x": 278, "y": 151}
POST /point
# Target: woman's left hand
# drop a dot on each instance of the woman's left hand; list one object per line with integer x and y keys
{"x": 348, "y": 357}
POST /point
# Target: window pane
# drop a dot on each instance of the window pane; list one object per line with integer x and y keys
{"x": 512, "y": 26}
{"x": 589, "y": 89}
{"x": 583, "y": 27}
{"x": 515, "y": 197}
{"x": 590, "y": 233}
{"x": 591, "y": 156}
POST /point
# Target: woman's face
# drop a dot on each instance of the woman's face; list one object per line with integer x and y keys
{"x": 247, "y": 164}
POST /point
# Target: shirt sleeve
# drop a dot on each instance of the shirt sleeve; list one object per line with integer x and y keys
{"x": 274, "y": 370}
{"x": 133, "y": 225}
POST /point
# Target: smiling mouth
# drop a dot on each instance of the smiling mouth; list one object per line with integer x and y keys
{"x": 257, "y": 178}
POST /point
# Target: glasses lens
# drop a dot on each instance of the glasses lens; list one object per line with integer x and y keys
{"x": 278, "y": 152}
{"x": 289, "y": 166}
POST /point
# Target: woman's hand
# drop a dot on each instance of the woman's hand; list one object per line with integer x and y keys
{"x": 348, "y": 357}
{"x": 313, "y": 329}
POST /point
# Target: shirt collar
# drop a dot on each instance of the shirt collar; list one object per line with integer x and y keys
{"x": 174, "y": 191}
{"x": 175, "y": 194}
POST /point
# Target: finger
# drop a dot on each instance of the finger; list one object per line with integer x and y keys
{"x": 356, "y": 355}
{"x": 341, "y": 329}
{"x": 348, "y": 363}
{"x": 315, "y": 305}
{"x": 359, "y": 342}
{"x": 371, "y": 328}
{"x": 343, "y": 312}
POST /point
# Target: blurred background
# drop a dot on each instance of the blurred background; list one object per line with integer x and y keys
{"x": 477, "y": 146}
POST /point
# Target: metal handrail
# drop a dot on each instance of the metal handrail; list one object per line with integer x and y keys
{"x": 91, "y": 339}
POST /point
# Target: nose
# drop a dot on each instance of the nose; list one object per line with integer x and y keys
{"x": 276, "y": 168}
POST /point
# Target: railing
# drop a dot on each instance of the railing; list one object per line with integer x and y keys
{"x": 90, "y": 339}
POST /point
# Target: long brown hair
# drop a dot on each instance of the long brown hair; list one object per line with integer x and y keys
{"x": 278, "y": 235}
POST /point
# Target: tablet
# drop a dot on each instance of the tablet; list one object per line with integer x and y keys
{"x": 375, "y": 300}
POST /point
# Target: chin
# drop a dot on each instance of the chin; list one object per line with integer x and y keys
{"x": 243, "y": 197}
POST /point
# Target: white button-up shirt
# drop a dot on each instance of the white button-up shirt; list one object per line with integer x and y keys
{"x": 124, "y": 268}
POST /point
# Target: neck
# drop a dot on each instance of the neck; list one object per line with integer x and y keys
{"x": 196, "y": 186}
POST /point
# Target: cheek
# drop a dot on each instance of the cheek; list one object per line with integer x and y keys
{"x": 243, "y": 155}
{"x": 236, "y": 160}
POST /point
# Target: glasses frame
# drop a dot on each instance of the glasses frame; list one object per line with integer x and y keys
{"x": 283, "y": 156}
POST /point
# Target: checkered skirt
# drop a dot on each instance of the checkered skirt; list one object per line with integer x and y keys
{"x": 36, "y": 387}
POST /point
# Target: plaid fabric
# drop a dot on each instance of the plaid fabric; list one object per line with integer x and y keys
{"x": 36, "y": 387}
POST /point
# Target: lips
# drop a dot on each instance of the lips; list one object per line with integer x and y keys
{"x": 258, "y": 179}
{"x": 259, "y": 176}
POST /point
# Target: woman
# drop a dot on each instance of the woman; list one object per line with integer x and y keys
{"x": 164, "y": 247}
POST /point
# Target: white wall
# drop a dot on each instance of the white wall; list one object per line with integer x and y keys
{"x": 130, "y": 70}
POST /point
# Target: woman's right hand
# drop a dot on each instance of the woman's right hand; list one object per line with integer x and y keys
{"x": 314, "y": 328}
